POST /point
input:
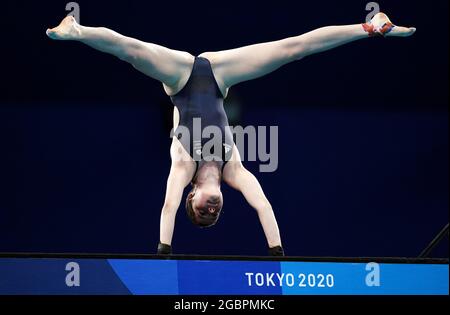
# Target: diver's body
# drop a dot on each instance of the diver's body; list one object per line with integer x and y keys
{"x": 200, "y": 106}
{"x": 174, "y": 69}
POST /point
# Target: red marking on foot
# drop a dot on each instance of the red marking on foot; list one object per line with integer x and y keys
{"x": 369, "y": 28}
{"x": 386, "y": 28}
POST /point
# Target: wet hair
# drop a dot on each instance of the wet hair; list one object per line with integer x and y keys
{"x": 206, "y": 220}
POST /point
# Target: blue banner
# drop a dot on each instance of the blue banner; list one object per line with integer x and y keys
{"x": 48, "y": 276}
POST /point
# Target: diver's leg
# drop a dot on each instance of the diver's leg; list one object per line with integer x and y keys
{"x": 171, "y": 67}
{"x": 250, "y": 62}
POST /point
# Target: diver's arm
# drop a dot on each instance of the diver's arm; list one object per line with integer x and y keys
{"x": 181, "y": 173}
{"x": 239, "y": 178}
{"x": 249, "y": 186}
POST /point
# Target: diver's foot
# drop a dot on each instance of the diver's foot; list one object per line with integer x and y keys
{"x": 380, "y": 25}
{"x": 69, "y": 29}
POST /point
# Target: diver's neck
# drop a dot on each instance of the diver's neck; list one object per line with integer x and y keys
{"x": 209, "y": 174}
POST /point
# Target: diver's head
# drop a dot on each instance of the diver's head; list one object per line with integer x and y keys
{"x": 204, "y": 202}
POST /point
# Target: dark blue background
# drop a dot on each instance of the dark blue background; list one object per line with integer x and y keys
{"x": 84, "y": 138}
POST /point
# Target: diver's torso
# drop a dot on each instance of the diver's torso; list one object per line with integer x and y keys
{"x": 203, "y": 128}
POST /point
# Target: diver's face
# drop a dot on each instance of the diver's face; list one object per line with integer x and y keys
{"x": 207, "y": 202}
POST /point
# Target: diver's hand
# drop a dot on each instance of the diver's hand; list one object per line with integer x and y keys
{"x": 164, "y": 249}
{"x": 276, "y": 251}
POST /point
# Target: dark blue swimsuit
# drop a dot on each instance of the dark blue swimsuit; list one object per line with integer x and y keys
{"x": 200, "y": 104}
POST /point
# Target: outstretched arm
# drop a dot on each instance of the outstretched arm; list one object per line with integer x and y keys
{"x": 242, "y": 180}
{"x": 246, "y": 63}
{"x": 181, "y": 173}
{"x": 179, "y": 178}
{"x": 171, "y": 67}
